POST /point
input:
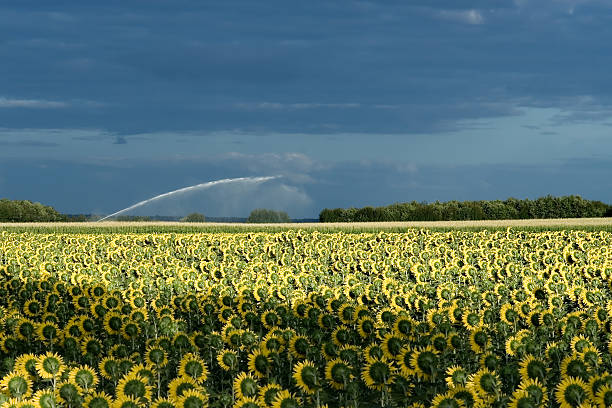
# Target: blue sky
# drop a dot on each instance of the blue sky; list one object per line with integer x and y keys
{"x": 354, "y": 103}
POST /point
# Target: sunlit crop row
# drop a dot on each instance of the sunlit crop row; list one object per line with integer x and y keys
{"x": 306, "y": 319}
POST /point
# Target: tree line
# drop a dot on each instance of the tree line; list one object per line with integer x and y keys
{"x": 572, "y": 206}
{"x": 27, "y": 211}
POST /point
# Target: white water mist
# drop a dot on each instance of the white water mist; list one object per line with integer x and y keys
{"x": 202, "y": 186}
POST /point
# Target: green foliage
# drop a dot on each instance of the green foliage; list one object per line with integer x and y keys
{"x": 263, "y": 215}
{"x": 512, "y": 208}
{"x": 27, "y": 211}
{"x": 194, "y": 217}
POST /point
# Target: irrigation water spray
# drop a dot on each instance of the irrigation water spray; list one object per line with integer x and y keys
{"x": 190, "y": 188}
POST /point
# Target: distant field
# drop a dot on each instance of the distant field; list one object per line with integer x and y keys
{"x": 604, "y": 224}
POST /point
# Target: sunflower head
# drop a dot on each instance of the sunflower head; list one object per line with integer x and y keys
{"x": 84, "y": 377}
{"x": 134, "y": 386}
{"x": 193, "y": 366}
{"x": 50, "y": 365}
{"x": 338, "y": 373}
{"x": 69, "y": 393}
{"x": 571, "y": 392}
{"x": 193, "y": 399}
{"x": 377, "y": 374}
{"x": 425, "y": 361}
{"x": 179, "y": 386}
{"x": 259, "y": 363}
{"x": 456, "y": 376}
{"x": 245, "y": 385}
{"x": 17, "y": 384}
{"x": 307, "y": 377}
{"x": 98, "y": 400}
{"x": 285, "y": 399}
{"x": 228, "y": 360}
{"x": 446, "y": 400}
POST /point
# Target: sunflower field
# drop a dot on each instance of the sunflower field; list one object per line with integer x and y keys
{"x": 306, "y": 319}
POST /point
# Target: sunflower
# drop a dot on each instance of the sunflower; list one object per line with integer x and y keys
{"x": 535, "y": 389}
{"x": 91, "y": 346}
{"x": 84, "y": 377}
{"x": 597, "y": 382}
{"x": 130, "y": 330}
{"x": 464, "y": 394}
{"x": 479, "y": 340}
{"x": 285, "y": 399}
{"x": 134, "y": 386}
{"x": 127, "y": 402}
{"x": 508, "y": 315}
{"x": 164, "y": 403}
{"x": 259, "y": 363}
{"x": 571, "y": 392}
{"x": 425, "y": 361}
{"x": 249, "y": 402}
{"x": 193, "y": 366}
{"x": 270, "y": 319}
{"x": 392, "y": 345}
{"x": 25, "y": 329}
{"x": 32, "y": 308}
{"x": 17, "y": 384}
{"x": 454, "y": 340}
{"x": 471, "y": 319}
{"x": 179, "y": 385}
{"x": 228, "y": 360}
{"x": 69, "y": 394}
{"x": 245, "y": 385}
{"x": 366, "y": 326}
{"x": 156, "y": 356}
{"x": 522, "y": 399}
{"x": 98, "y": 400}
{"x": 45, "y": 398}
{"x": 338, "y": 373}
{"x": 484, "y": 383}
{"x": 272, "y": 343}
{"x": 403, "y": 325}
{"x": 591, "y": 356}
{"x": 298, "y": 346}
{"x": 377, "y": 374}
{"x": 193, "y": 398}
{"x": 306, "y": 376}
{"x": 574, "y": 366}
{"x": 109, "y": 368}
{"x": 26, "y": 363}
{"x": 268, "y": 393}
{"x": 603, "y": 398}
{"x": 405, "y": 361}
{"x": 50, "y": 366}
{"x": 456, "y": 376}
{"x": 182, "y": 342}
{"x": 346, "y": 313}
{"x": 532, "y": 368}
{"x": 446, "y": 400}
{"x": 580, "y": 343}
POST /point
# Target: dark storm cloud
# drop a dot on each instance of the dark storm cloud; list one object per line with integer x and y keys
{"x": 191, "y": 65}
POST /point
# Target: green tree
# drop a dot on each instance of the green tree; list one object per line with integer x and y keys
{"x": 263, "y": 215}
{"x": 194, "y": 217}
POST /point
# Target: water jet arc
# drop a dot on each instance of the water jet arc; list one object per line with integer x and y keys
{"x": 201, "y": 186}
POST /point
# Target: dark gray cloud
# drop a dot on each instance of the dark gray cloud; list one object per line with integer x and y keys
{"x": 193, "y": 65}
